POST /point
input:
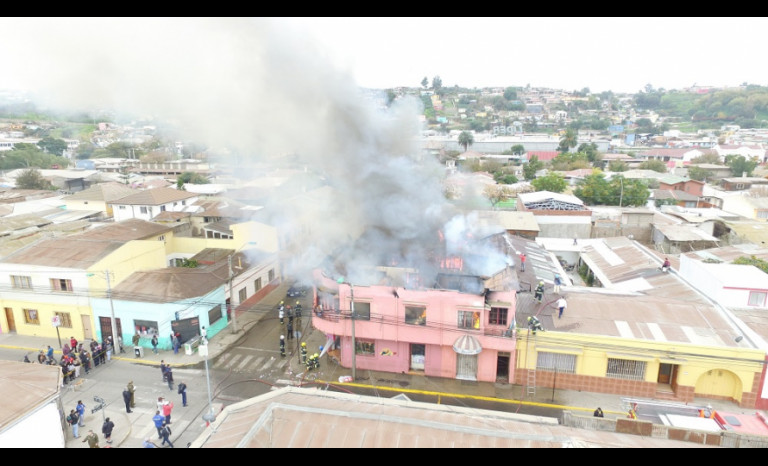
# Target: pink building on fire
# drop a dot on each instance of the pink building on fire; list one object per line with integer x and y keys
{"x": 463, "y": 328}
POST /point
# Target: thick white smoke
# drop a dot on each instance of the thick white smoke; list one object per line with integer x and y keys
{"x": 258, "y": 88}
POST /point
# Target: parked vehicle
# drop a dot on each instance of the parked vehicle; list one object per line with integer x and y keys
{"x": 296, "y": 291}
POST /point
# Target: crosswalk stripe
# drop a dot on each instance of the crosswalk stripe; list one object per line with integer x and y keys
{"x": 244, "y": 363}
{"x": 234, "y": 360}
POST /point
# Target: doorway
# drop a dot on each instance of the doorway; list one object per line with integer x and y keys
{"x": 666, "y": 373}
{"x": 466, "y": 367}
{"x": 417, "y": 356}
{"x": 105, "y": 323}
{"x": 87, "y": 329}
{"x": 502, "y": 366}
{"x": 9, "y": 318}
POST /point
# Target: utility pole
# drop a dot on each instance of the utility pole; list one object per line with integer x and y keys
{"x": 232, "y": 309}
{"x": 115, "y": 341}
{"x": 621, "y": 193}
{"x": 352, "y": 316}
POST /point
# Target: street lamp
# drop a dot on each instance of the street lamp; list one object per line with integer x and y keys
{"x": 232, "y": 308}
{"x": 208, "y": 417}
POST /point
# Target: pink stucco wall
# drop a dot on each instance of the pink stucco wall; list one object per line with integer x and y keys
{"x": 392, "y": 337}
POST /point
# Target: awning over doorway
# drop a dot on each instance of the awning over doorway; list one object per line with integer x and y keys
{"x": 467, "y": 344}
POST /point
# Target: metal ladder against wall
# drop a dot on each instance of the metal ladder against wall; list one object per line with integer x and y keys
{"x": 530, "y": 383}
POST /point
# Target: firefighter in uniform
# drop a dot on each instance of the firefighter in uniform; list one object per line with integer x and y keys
{"x": 281, "y": 314}
{"x": 315, "y": 361}
{"x": 282, "y": 345}
{"x": 534, "y": 324}
{"x": 297, "y": 313}
{"x": 303, "y": 352}
{"x": 539, "y": 294}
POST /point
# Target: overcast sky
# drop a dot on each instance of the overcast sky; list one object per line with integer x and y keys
{"x": 619, "y": 54}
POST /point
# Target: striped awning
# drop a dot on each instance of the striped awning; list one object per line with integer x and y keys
{"x": 467, "y": 344}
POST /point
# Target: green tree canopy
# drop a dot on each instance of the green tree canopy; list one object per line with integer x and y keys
{"x": 466, "y": 139}
{"x": 699, "y": 174}
{"x": 655, "y": 165}
{"x": 531, "y": 167}
{"x": 551, "y": 182}
{"x": 740, "y": 165}
{"x": 31, "y": 178}
{"x": 425, "y": 82}
{"x": 518, "y": 149}
{"x": 596, "y": 190}
{"x": 510, "y": 93}
{"x": 568, "y": 141}
{"x": 52, "y": 145}
{"x": 618, "y": 166}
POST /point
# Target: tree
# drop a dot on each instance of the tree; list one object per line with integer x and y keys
{"x": 708, "y": 157}
{"x": 568, "y": 141}
{"x": 31, "y": 178}
{"x": 425, "y": 82}
{"x": 618, "y": 166}
{"x": 510, "y": 93}
{"x": 699, "y": 174}
{"x": 191, "y": 178}
{"x": 518, "y": 149}
{"x": 596, "y": 190}
{"x": 653, "y": 164}
{"x": 466, "y": 139}
{"x": 531, "y": 167}
{"x": 740, "y": 165}
{"x": 437, "y": 83}
{"x": 496, "y": 193}
{"x": 551, "y": 182}
{"x": 52, "y": 145}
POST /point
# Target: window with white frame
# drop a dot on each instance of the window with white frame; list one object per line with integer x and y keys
{"x": 757, "y": 298}
{"x": 271, "y": 275}
{"x": 143, "y": 210}
{"x": 242, "y": 295}
{"x": 61, "y": 284}
{"x": 625, "y": 369}
{"x": 21, "y": 281}
{"x": 557, "y": 362}
{"x": 257, "y": 284}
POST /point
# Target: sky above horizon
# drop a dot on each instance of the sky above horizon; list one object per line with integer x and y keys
{"x": 620, "y": 54}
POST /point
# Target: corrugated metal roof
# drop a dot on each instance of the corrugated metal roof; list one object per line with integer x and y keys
{"x": 156, "y": 196}
{"x": 23, "y": 387}
{"x": 293, "y": 417}
{"x": 107, "y": 192}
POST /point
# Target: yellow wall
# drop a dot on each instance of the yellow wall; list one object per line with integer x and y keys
{"x": 694, "y": 361}
{"x": 263, "y": 235}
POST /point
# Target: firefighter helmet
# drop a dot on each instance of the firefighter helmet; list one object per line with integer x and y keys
{"x": 541, "y": 282}
{"x": 303, "y": 344}
{"x": 315, "y": 355}
{"x": 281, "y": 302}
{"x": 282, "y": 337}
{"x": 297, "y": 301}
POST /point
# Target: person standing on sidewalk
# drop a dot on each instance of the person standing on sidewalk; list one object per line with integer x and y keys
{"x": 74, "y": 420}
{"x": 522, "y": 262}
{"x": 132, "y": 390}
{"x": 165, "y": 434}
{"x": 154, "y": 343}
{"x": 80, "y": 408}
{"x": 282, "y": 345}
{"x": 289, "y": 328}
{"x": 158, "y": 419}
{"x": 169, "y": 376}
{"x": 106, "y": 429}
{"x": 183, "y": 393}
{"x": 167, "y": 407}
{"x": 127, "y": 400}
{"x": 92, "y": 439}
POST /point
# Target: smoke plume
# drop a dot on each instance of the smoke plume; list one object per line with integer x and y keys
{"x": 260, "y": 89}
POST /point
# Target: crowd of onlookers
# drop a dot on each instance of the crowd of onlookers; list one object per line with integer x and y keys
{"x": 76, "y": 357}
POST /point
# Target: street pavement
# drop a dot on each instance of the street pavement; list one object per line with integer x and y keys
{"x": 387, "y": 384}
